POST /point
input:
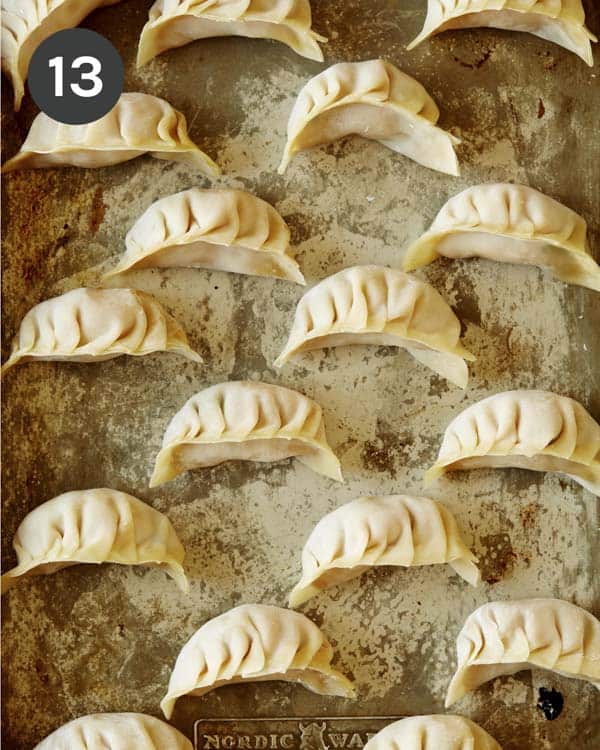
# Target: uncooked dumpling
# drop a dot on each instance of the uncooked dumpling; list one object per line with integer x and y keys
{"x": 255, "y": 643}
{"x": 245, "y": 421}
{"x": 527, "y": 429}
{"x": 380, "y": 306}
{"x": 375, "y": 531}
{"x": 502, "y": 638}
{"x": 138, "y": 124}
{"x": 435, "y": 732}
{"x": 173, "y": 23}
{"x": 225, "y": 230}
{"x": 92, "y": 325}
{"x": 95, "y": 526}
{"x": 27, "y": 23}
{"x": 375, "y": 100}
{"x": 512, "y": 224}
{"x": 558, "y": 21}
{"x": 115, "y": 732}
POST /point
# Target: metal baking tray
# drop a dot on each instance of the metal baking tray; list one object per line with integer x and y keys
{"x": 105, "y": 638}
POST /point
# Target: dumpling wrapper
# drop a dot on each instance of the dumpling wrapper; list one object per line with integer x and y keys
{"x": 434, "y": 732}
{"x": 558, "y": 21}
{"x": 255, "y": 643}
{"x": 27, "y": 23}
{"x": 375, "y": 100}
{"x": 510, "y": 224}
{"x": 224, "y": 230}
{"x": 94, "y": 325}
{"x": 116, "y": 732}
{"x": 245, "y": 421}
{"x": 534, "y": 430}
{"x": 173, "y": 23}
{"x": 503, "y": 638}
{"x": 138, "y": 124}
{"x": 394, "y": 530}
{"x": 384, "y": 307}
{"x": 95, "y": 526}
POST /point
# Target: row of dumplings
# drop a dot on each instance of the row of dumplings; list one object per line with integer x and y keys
{"x": 129, "y": 731}
{"x": 372, "y": 99}
{"x": 174, "y": 23}
{"x": 108, "y": 526}
{"x": 258, "y": 422}
{"x": 232, "y": 230}
{"x": 257, "y": 642}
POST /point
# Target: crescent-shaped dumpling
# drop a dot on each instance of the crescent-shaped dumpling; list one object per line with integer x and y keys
{"x": 95, "y": 526}
{"x": 374, "y": 531}
{"x": 27, "y": 23}
{"x": 245, "y": 421}
{"x": 93, "y": 325}
{"x": 375, "y": 100}
{"x": 534, "y": 430}
{"x": 224, "y": 230}
{"x": 381, "y": 306}
{"x": 173, "y": 23}
{"x": 137, "y": 124}
{"x": 435, "y": 732}
{"x": 511, "y": 224}
{"x": 558, "y": 21}
{"x": 115, "y": 732}
{"x": 502, "y": 638}
{"x": 255, "y": 643}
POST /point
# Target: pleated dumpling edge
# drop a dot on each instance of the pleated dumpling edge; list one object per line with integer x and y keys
{"x": 506, "y": 637}
{"x": 373, "y": 531}
{"x": 179, "y": 22}
{"x": 95, "y": 526}
{"x": 380, "y": 306}
{"x": 93, "y": 325}
{"x": 526, "y": 429}
{"x": 375, "y": 100}
{"x": 511, "y": 224}
{"x": 220, "y": 229}
{"x": 561, "y": 21}
{"x": 138, "y": 124}
{"x": 255, "y": 642}
{"x": 245, "y": 421}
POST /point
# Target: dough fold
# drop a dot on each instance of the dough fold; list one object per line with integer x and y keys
{"x": 95, "y": 526}
{"x": 383, "y": 307}
{"x": 138, "y": 124}
{"x": 93, "y": 325}
{"x": 255, "y": 643}
{"x": 174, "y": 23}
{"x": 559, "y": 21}
{"x": 245, "y": 421}
{"x": 502, "y": 638}
{"x": 397, "y": 530}
{"x": 27, "y": 23}
{"x": 115, "y": 732}
{"x": 375, "y": 100}
{"x": 224, "y": 230}
{"x": 535, "y": 430}
{"x": 511, "y": 224}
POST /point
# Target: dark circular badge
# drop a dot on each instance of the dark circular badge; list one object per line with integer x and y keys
{"x": 76, "y": 76}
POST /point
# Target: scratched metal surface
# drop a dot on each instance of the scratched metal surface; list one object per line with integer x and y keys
{"x": 104, "y": 639}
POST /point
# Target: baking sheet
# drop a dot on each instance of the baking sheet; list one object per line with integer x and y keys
{"x": 105, "y": 639}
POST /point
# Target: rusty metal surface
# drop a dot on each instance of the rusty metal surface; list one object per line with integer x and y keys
{"x": 104, "y": 639}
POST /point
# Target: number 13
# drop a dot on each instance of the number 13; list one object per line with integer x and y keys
{"x": 91, "y": 75}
